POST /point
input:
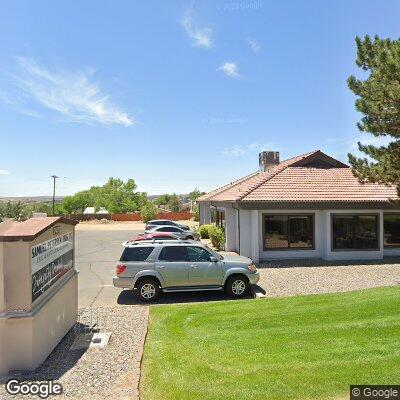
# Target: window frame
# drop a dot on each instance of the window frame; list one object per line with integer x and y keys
{"x": 377, "y": 225}
{"x": 269, "y": 214}
{"x": 390, "y": 246}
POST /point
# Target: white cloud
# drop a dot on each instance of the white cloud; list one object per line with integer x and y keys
{"x": 343, "y": 146}
{"x": 74, "y": 95}
{"x": 4, "y": 172}
{"x": 200, "y": 37}
{"x": 254, "y": 45}
{"x": 239, "y": 150}
{"x": 229, "y": 69}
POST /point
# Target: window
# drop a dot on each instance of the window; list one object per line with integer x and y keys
{"x": 288, "y": 232}
{"x": 391, "y": 228}
{"x": 173, "y": 253}
{"x": 355, "y": 232}
{"x": 168, "y": 229}
{"x": 136, "y": 253}
{"x": 198, "y": 254}
{"x": 220, "y": 219}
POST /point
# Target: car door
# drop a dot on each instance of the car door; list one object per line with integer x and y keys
{"x": 202, "y": 271}
{"x": 172, "y": 264}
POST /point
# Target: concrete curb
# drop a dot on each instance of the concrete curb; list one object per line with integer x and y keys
{"x": 139, "y": 358}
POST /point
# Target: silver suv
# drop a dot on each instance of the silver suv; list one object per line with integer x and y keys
{"x": 152, "y": 267}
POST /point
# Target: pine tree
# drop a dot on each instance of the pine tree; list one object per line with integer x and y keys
{"x": 379, "y": 101}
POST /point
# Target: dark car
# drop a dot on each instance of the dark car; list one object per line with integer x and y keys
{"x": 165, "y": 222}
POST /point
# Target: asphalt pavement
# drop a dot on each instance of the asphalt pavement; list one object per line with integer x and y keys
{"x": 98, "y": 249}
{"x": 96, "y": 256}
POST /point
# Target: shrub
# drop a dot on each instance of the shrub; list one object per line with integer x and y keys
{"x": 217, "y": 236}
{"x": 148, "y": 212}
{"x": 203, "y": 231}
{"x": 196, "y": 214}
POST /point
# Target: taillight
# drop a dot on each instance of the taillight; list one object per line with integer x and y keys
{"x": 120, "y": 269}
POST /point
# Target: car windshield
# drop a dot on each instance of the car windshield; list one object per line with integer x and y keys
{"x": 214, "y": 253}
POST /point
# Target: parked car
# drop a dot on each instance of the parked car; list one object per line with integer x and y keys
{"x": 162, "y": 222}
{"x": 154, "y": 236}
{"x": 152, "y": 267}
{"x": 181, "y": 233}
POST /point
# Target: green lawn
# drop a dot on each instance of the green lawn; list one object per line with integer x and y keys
{"x": 305, "y": 347}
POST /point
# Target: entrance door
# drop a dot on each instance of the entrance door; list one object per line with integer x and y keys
{"x": 202, "y": 271}
{"x": 172, "y": 265}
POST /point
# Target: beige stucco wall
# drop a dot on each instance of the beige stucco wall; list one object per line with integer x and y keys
{"x": 28, "y": 340}
{"x": 30, "y": 331}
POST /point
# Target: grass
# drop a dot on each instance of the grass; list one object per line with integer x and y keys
{"x": 304, "y": 347}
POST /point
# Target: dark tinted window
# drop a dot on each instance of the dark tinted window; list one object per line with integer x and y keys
{"x": 198, "y": 254}
{"x": 136, "y": 253}
{"x": 276, "y": 232}
{"x": 168, "y": 229}
{"x": 391, "y": 227}
{"x": 288, "y": 231}
{"x": 174, "y": 253}
{"x": 356, "y": 232}
{"x": 301, "y": 231}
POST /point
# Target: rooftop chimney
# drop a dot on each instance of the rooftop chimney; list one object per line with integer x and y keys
{"x": 267, "y": 159}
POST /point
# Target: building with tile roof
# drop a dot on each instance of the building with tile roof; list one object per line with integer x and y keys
{"x": 307, "y": 206}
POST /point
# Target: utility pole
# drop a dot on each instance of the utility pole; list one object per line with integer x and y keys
{"x": 54, "y": 190}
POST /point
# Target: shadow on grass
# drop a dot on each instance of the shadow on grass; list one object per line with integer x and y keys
{"x": 128, "y": 297}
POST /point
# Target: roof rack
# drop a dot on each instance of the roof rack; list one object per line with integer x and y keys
{"x": 159, "y": 241}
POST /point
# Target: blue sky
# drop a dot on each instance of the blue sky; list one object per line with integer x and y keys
{"x": 174, "y": 94}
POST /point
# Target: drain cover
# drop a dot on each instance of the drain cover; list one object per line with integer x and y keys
{"x": 100, "y": 340}
{"x": 93, "y": 340}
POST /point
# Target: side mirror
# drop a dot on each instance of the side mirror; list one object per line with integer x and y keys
{"x": 213, "y": 259}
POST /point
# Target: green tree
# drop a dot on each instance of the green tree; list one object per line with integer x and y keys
{"x": 379, "y": 102}
{"x": 77, "y": 203}
{"x": 174, "y": 203}
{"x": 162, "y": 200}
{"x": 13, "y": 210}
{"x": 195, "y": 194}
{"x": 30, "y": 208}
{"x": 116, "y": 196}
{"x": 148, "y": 212}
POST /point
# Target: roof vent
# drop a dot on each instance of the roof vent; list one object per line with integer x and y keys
{"x": 268, "y": 159}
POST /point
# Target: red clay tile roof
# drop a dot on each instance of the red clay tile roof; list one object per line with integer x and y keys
{"x": 291, "y": 182}
{"x": 29, "y": 229}
{"x": 318, "y": 184}
{"x": 239, "y": 188}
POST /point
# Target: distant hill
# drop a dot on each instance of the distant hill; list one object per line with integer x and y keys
{"x": 49, "y": 199}
{"x": 33, "y": 199}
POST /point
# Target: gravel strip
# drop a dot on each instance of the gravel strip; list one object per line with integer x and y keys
{"x": 111, "y": 372}
{"x": 295, "y": 277}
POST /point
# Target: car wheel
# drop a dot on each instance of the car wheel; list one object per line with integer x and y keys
{"x": 189, "y": 237}
{"x": 148, "y": 290}
{"x": 237, "y": 286}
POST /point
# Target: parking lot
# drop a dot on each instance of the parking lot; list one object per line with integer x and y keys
{"x": 98, "y": 247}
